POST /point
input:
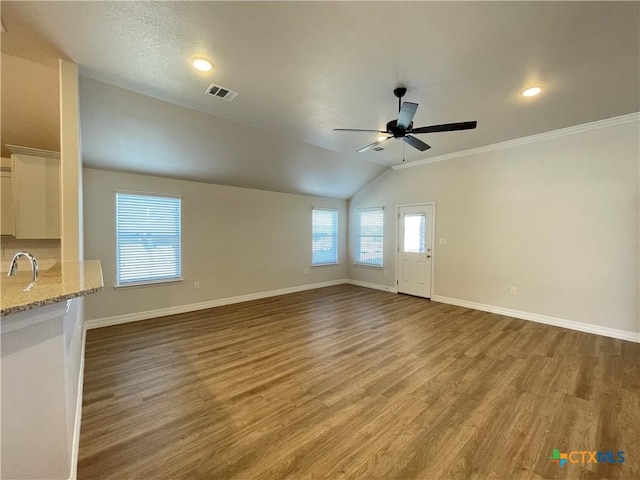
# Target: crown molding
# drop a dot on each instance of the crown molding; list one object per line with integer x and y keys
{"x": 36, "y": 152}
{"x": 608, "y": 122}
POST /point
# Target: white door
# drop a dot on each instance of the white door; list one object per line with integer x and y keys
{"x": 415, "y": 250}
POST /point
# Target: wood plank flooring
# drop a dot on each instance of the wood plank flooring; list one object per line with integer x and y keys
{"x": 347, "y": 382}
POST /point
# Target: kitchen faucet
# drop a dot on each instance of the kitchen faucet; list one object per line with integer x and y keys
{"x": 13, "y": 269}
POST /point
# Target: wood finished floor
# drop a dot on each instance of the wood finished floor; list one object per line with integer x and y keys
{"x": 347, "y": 382}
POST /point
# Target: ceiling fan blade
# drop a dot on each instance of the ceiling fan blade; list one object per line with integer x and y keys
{"x": 445, "y": 127}
{"x": 374, "y": 144}
{"x": 357, "y": 130}
{"x": 406, "y": 114}
{"x": 415, "y": 143}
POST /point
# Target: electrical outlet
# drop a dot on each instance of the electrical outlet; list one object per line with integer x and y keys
{"x": 513, "y": 290}
{"x": 306, "y": 271}
{"x": 443, "y": 241}
{"x": 196, "y": 285}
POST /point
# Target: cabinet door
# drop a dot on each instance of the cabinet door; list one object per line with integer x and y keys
{"x": 36, "y": 183}
{"x": 7, "y": 224}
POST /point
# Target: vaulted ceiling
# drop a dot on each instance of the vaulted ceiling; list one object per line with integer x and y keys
{"x": 302, "y": 69}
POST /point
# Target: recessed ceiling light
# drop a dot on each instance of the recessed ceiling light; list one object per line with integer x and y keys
{"x": 532, "y": 91}
{"x": 202, "y": 64}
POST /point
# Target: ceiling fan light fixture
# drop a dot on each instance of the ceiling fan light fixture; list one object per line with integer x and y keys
{"x": 382, "y": 138}
{"x": 531, "y": 91}
{"x": 202, "y": 64}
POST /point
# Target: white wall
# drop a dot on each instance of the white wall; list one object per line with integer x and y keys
{"x": 30, "y": 104}
{"x": 70, "y": 164}
{"x": 557, "y": 218}
{"x": 235, "y": 241}
{"x": 128, "y": 132}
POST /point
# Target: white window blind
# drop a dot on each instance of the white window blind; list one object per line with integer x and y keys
{"x": 369, "y": 236}
{"x": 147, "y": 238}
{"x": 324, "y": 247}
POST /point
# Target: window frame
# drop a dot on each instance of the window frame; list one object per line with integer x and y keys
{"x": 358, "y": 236}
{"x": 336, "y": 235}
{"x": 148, "y": 282}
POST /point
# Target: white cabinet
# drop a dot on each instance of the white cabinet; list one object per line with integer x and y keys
{"x": 36, "y": 192}
{"x": 7, "y": 224}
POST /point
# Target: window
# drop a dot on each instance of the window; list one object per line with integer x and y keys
{"x": 147, "y": 239}
{"x": 324, "y": 245}
{"x": 369, "y": 236}
{"x": 414, "y": 229}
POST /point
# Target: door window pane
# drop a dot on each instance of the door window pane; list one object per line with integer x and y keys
{"x": 414, "y": 233}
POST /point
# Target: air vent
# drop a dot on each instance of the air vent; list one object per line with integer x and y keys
{"x": 377, "y": 149}
{"x": 221, "y": 92}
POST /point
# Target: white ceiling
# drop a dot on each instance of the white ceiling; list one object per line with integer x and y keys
{"x": 303, "y": 69}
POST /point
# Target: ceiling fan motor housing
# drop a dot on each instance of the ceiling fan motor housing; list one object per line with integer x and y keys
{"x": 397, "y": 132}
{"x": 399, "y": 92}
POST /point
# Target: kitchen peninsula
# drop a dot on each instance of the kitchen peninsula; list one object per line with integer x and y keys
{"x": 42, "y": 332}
{"x": 63, "y": 281}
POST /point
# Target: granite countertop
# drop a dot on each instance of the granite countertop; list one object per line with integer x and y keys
{"x": 63, "y": 281}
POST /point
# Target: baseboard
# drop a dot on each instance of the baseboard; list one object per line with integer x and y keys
{"x": 75, "y": 444}
{"x": 163, "y": 312}
{"x": 534, "y": 317}
{"x": 375, "y": 286}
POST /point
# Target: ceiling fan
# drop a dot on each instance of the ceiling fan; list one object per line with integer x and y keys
{"x": 402, "y": 127}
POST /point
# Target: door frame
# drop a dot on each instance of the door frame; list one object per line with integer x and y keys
{"x": 433, "y": 240}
